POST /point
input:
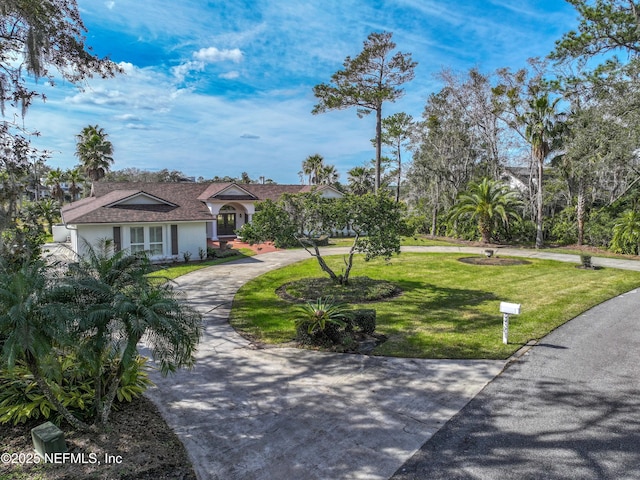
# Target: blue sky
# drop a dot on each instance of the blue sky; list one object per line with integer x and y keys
{"x": 225, "y": 86}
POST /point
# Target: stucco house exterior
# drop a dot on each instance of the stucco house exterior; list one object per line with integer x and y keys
{"x": 168, "y": 219}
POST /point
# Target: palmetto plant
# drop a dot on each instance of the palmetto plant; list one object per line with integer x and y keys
{"x": 626, "y": 233}
{"x": 487, "y": 202}
{"x": 33, "y": 324}
{"x": 121, "y": 306}
{"x": 99, "y": 311}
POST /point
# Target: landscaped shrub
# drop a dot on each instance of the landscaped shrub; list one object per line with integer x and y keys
{"x": 322, "y": 323}
{"x": 626, "y": 233}
{"x": 563, "y": 228}
{"x": 22, "y": 399}
{"x": 227, "y": 253}
{"x": 364, "y": 320}
{"x": 417, "y": 224}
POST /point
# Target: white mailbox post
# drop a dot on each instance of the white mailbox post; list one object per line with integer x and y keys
{"x": 507, "y": 309}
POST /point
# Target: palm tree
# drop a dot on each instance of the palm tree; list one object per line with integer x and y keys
{"x": 75, "y": 179}
{"x": 48, "y": 209}
{"x": 54, "y": 179}
{"x": 312, "y": 166}
{"x": 541, "y": 129}
{"x": 119, "y": 306}
{"x": 32, "y": 325}
{"x": 94, "y": 152}
{"x": 327, "y": 175}
{"x": 487, "y": 202}
{"x": 361, "y": 180}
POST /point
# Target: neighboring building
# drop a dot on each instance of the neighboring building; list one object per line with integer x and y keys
{"x": 167, "y": 219}
{"x": 517, "y": 178}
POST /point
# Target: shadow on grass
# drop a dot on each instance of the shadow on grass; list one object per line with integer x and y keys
{"x": 444, "y": 298}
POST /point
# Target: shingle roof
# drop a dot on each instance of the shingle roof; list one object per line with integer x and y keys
{"x": 188, "y": 198}
{"x": 97, "y": 209}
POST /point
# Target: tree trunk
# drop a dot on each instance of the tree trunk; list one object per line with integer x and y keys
{"x": 434, "y": 220}
{"x": 580, "y": 212}
{"x": 484, "y": 226}
{"x": 539, "y": 198}
{"x": 323, "y": 265}
{"x": 76, "y": 423}
{"x": 399, "y": 179}
{"x": 103, "y": 415}
{"x": 349, "y": 262}
{"x": 378, "y": 146}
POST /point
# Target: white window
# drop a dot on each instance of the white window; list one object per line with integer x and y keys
{"x": 137, "y": 239}
{"x": 155, "y": 240}
{"x": 147, "y": 239}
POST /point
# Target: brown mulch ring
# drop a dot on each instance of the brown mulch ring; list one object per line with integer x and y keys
{"x": 137, "y": 441}
{"x": 359, "y": 290}
{"x": 493, "y": 261}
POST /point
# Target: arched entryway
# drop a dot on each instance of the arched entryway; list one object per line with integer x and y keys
{"x": 228, "y": 221}
{"x": 228, "y": 217}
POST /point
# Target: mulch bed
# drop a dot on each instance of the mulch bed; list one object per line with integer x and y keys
{"x": 493, "y": 261}
{"x": 136, "y": 434}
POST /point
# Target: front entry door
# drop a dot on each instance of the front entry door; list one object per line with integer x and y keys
{"x": 226, "y": 223}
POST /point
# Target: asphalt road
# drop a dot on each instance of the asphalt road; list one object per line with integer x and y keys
{"x": 568, "y": 409}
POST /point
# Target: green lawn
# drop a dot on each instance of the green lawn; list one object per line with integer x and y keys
{"x": 175, "y": 271}
{"x": 448, "y": 309}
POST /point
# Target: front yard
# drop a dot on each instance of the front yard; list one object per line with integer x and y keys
{"x": 447, "y": 308}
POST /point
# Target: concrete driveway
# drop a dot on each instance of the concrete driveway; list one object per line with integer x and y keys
{"x": 250, "y": 413}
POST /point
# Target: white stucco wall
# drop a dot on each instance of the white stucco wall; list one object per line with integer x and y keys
{"x": 191, "y": 237}
{"x": 61, "y": 233}
{"x": 81, "y": 235}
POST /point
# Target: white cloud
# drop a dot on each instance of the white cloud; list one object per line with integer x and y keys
{"x": 110, "y": 5}
{"x": 184, "y": 69}
{"x": 230, "y": 75}
{"x": 127, "y": 117}
{"x": 212, "y": 54}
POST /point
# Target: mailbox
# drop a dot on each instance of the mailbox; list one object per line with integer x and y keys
{"x": 510, "y": 308}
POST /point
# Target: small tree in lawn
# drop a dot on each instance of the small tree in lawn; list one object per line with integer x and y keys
{"x": 375, "y": 221}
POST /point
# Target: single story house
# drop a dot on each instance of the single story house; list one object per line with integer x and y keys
{"x": 168, "y": 219}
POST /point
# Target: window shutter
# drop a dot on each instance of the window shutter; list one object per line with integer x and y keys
{"x": 117, "y": 239}
{"x": 174, "y": 239}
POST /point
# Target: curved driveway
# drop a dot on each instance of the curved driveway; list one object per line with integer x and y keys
{"x": 250, "y": 413}
{"x": 568, "y": 410}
